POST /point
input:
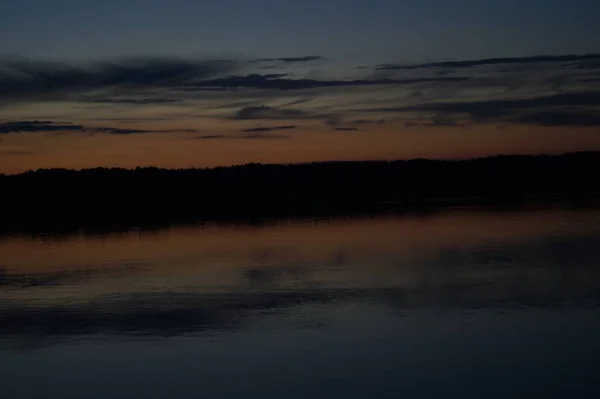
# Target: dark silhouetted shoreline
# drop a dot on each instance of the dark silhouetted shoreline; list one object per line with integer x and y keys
{"x": 103, "y": 197}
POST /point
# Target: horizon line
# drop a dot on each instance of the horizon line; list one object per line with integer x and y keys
{"x": 501, "y": 155}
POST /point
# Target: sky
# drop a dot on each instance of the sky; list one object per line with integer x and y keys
{"x": 183, "y": 83}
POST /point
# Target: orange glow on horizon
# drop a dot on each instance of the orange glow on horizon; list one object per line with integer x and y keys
{"x": 30, "y": 151}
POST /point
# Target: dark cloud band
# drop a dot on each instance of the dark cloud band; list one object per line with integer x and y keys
{"x": 50, "y": 126}
{"x": 495, "y": 61}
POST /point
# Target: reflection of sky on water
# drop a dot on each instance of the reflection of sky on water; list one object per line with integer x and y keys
{"x": 185, "y": 280}
{"x": 468, "y": 303}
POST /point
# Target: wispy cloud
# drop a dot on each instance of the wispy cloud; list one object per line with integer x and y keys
{"x": 133, "y": 101}
{"x": 556, "y": 90}
{"x": 569, "y": 109}
{"x": 35, "y": 79}
{"x": 268, "y": 82}
{"x": 37, "y": 126}
{"x": 269, "y": 129}
{"x": 285, "y": 114}
{"x": 210, "y": 137}
{"x": 368, "y": 121}
{"x": 249, "y": 136}
{"x": 307, "y": 58}
{"x": 265, "y": 112}
{"x": 256, "y": 136}
{"x": 50, "y": 126}
{"x": 494, "y": 61}
{"x": 579, "y": 118}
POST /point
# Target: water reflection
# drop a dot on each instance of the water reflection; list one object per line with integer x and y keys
{"x": 367, "y": 297}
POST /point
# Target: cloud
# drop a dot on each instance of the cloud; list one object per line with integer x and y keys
{"x": 264, "y": 112}
{"x": 269, "y": 129}
{"x": 495, "y": 61}
{"x": 264, "y": 136}
{"x": 492, "y": 108}
{"x": 133, "y": 101}
{"x": 561, "y": 118}
{"x": 568, "y": 109}
{"x": 113, "y": 130}
{"x": 435, "y": 122}
{"x": 307, "y": 58}
{"x": 35, "y": 79}
{"x": 232, "y": 90}
{"x": 251, "y": 136}
{"x": 283, "y": 114}
{"x": 50, "y": 126}
{"x": 368, "y": 121}
{"x": 210, "y": 137}
{"x": 268, "y": 82}
{"x": 37, "y": 126}
{"x": 346, "y": 128}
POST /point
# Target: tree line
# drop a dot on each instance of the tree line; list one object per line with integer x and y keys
{"x": 114, "y": 195}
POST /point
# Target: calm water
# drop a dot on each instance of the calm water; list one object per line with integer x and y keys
{"x": 465, "y": 303}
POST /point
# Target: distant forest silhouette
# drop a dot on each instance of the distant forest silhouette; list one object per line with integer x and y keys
{"x": 62, "y": 198}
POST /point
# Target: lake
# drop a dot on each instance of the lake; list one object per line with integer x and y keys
{"x": 460, "y": 302}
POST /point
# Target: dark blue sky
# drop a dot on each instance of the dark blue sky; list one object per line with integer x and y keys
{"x": 361, "y": 31}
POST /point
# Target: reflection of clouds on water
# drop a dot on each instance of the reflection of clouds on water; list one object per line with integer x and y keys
{"x": 158, "y": 314}
{"x": 63, "y": 277}
{"x": 275, "y": 273}
{"x": 187, "y": 289}
{"x": 478, "y": 279}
